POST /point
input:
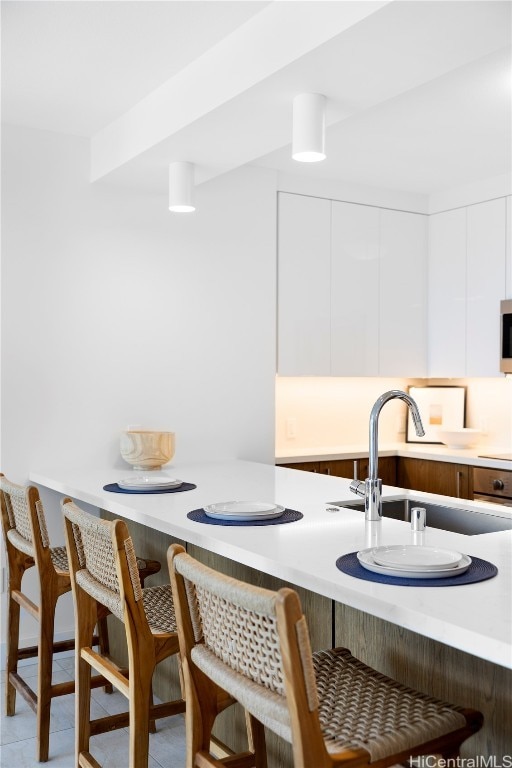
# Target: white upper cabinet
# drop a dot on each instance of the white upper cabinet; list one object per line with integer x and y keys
{"x": 447, "y": 294}
{"x": 351, "y": 289}
{"x": 486, "y": 286}
{"x": 354, "y": 289}
{"x": 366, "y": 291}
{"x": 403, "y": 294}
{"x": 467, "y": 280}
{"x": 303, "y": 280}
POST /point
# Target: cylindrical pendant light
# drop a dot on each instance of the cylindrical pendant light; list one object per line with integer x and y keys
{"x": 308, "y": 128}
{"x": 181, "y": 187}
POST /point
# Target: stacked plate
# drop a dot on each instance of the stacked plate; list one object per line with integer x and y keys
{"x": 149, "y": 483}
{"x": 410, "y": 561}
{"x": 244, "y": 510}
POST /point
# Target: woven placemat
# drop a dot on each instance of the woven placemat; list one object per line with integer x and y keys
{"x": 479, "y": 570}
{"x": 114, "y": 488}
{"x": 288, "y": 516}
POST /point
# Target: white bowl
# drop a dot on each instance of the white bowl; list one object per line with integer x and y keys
{"x": 460, "y": 438}
{"x": 146, "y": 449}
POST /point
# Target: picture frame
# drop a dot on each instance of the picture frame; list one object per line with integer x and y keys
{"x": 440, "y": 408}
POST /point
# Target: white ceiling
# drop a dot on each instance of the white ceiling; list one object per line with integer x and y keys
{"x": 419, "y": 93}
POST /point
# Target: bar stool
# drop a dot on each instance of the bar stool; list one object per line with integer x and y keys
{"x": 27, "y": 545}
{"x": 104, "y": 572}
{"x": 253, "y": 644}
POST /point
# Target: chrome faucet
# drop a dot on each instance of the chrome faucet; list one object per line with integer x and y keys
{"x": 371, "y": 488}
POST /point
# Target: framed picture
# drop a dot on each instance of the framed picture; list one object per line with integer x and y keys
{"x": 440, "y": 408}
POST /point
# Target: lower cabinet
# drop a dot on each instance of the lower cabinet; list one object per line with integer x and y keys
{"x": 350, "y": 468}
{"x": 442, "y": 477}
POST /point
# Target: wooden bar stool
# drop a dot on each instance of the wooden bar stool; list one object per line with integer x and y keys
{"x": 104, "y": 572}
{"x": 253, "y": 644}
{"x": 27, "y": 545}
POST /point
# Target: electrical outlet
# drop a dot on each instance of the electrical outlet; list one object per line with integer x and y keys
{"x": 400, "y": 425}
{"x": 291, "y": 428}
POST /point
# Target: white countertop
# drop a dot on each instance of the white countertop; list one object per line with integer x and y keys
{"x": 428, "y": 451}
{"x": 476, "y": 618}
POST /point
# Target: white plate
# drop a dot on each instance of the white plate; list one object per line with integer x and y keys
{"x": 244, "y": 510}
{"x": 149, "y": 482}
{"x": 415, "y": 557}
{"x": 366, "y": 559}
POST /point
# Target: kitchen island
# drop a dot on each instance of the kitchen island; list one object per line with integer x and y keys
{"x": 453, "y": 642}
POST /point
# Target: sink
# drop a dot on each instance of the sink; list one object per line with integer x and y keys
{"x": 444, "y": 517}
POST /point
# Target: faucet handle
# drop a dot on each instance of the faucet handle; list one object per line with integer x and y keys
{"x": 418, "y": 518}
{"x": 358, "y": 487}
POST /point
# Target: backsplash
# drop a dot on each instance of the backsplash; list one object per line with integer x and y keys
{"x": 316, "y": 412}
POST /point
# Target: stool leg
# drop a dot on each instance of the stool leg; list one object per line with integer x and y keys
{"x": 84, "y": 629}
{"x": 104, "y": 645}
{"x": 256, "y": 739}
{"x": 140, "y": 700}
{"x": 44, "y": 676}
{"x": 13, "y": 636}
{"x": 143, "y": 574}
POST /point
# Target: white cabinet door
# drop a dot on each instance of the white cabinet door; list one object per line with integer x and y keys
{"x": 403, "y": 294}
{"x": 486, "y": 285}
{"x": 304, "y": 274}
{"x": 467, "y": 280}
{"x": 447, "y": 294}
{"x": 354, "y": 290}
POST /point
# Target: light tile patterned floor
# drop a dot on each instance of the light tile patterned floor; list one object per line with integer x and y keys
{"x": 17, "y": 733}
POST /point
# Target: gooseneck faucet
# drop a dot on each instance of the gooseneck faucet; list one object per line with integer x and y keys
{"x": 371, "y": 488}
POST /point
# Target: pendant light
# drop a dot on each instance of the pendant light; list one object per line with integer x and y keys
{"x": 308, "y": 128}
{"x": 181, "y": 187}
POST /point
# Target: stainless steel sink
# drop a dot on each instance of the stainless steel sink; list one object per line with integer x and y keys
{"x": 454, "y": 519}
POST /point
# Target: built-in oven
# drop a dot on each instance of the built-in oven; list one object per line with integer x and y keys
{"x": 494, "y": 485}
{"x": 506, "y": 336}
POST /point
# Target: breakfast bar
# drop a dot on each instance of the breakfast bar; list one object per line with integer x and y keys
{"x": 451, "y": 641}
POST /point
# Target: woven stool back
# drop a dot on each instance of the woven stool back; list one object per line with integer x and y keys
{"x": 93, "y": 548}
{"x": 236, "y": 623}
{"x": 18, "y": 518}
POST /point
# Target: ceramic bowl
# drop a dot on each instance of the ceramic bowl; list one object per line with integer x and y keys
{"x": 147, "y": 449}
{"x": 460, "y": 438}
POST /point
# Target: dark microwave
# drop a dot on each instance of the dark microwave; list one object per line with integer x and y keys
{"x": 506, "y": 336}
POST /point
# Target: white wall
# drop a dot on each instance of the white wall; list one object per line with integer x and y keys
{"x": 117, "y": 312}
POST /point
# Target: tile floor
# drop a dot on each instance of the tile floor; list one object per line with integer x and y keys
{"x": 17, "y": 733}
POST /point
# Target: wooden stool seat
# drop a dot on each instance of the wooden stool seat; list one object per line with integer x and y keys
{"x": 253, "y": 645}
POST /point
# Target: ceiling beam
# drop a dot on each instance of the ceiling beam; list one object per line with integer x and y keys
{"x": 279, "y": 35}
